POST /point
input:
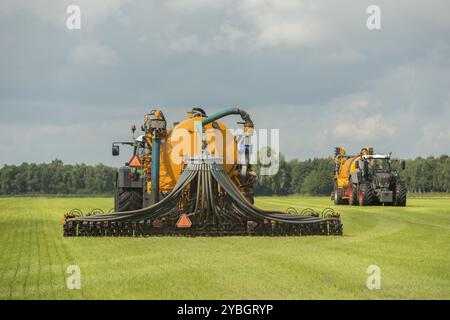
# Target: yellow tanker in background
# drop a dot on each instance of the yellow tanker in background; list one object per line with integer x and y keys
{"x": 366, "y": 179}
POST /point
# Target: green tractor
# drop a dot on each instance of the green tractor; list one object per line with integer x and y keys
{"x": 378, "y": 183}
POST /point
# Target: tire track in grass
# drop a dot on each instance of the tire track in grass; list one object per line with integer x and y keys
{"x": 66, "y": 258}
{"x": 39, "y": 265}
{"x": 29, "y": 257}
{"x": 364, "y": 220}
{"x": 73, "y": 260}
{"x": 69, "y": 260}
{"x": 114, "y": 250}
{"x": 8, "y": 246}
{"x": 48, "y": 256}
{"x": 59, "y": 251}
{"x": 120, "y": 248}
{"x": 35, "y": 257}
{"x": 18, "y": 264}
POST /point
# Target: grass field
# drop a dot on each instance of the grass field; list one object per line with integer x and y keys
{"x": 411, "y": 246}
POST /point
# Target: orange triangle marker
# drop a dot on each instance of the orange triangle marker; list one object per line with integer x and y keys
{"x": 135, "y": 162}
{"x": 184, "y": 222}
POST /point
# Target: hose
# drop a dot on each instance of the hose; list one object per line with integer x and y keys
{"x": 227, "y": 212}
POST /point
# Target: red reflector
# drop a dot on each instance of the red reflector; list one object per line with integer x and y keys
{"x": 184, "y": 222}
{"x": 135, "y": 162}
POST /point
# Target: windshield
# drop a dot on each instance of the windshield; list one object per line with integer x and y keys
{"x": 380, "y": 165}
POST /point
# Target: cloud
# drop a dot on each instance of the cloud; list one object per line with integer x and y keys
{"x": 369, "y": 128}
{"x": 245, "y": 25}
{"x": 308, "y": 68}
{"x": 287, "y": 23}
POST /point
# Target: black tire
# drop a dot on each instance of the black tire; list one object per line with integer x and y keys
{"x": 128, "y": 199}
{"x": 400, "y": 194}
{"x": 352, "y": 194}
{"x": 366, "y": 195}
{"x": 337, "y": 195}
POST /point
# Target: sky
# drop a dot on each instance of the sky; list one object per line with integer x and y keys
{"x": 310, "y": 68}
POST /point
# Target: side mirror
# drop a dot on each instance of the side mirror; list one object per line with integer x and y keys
{"x": 357, "y": 164}
{"x": 403, "y": 164}
{"x": 115, "y": 150}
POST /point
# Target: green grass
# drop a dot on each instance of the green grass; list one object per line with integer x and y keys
{"x": 411, "y": 246}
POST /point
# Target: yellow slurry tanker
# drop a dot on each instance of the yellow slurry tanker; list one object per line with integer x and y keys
{"x": 367, "y": 179}
{"x": 193, "y": 179}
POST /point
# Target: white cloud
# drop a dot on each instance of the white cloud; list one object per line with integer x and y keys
{"x": 361, "y": 129}
{"x": 289, "y": 23}
{"x": 244, "y": 26}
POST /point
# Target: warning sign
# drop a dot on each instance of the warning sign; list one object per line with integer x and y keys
{"x": 184, "y": 222}
{"x": 135, "y": 162}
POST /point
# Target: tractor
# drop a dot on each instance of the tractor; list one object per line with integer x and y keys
{"x": 193, "y": 179}
{"x": 153, "y": 169}
{"x": 367, "y": 179}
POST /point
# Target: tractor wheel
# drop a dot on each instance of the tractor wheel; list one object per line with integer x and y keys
{"x": 128, "y": 199}
{"x": 337, "y": 195}
{"x": 366, "y": 195}
{"x": 353, "y": 194}
{"x": 400, "y": 194}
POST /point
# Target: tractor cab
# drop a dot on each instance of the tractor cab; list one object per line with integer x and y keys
{"x": 378, "y": 163}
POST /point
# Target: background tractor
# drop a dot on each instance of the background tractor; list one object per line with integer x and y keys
{"x": 367, "y": 179}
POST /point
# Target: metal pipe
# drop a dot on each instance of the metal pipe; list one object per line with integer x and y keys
{"x": 156, "y": 146}
{"x": 248, "y": 123}
{"x": 231, "y": 111}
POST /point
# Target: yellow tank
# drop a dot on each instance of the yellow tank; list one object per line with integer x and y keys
{"x": 161, "y": 155}
{"x": 346, "y": 166}
{"x": 185, "y": 141}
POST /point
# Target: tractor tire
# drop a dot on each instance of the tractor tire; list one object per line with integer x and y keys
{"x": 128, "y": 199}
{"x": 366, "y": 195}
{"x": 338, "y": 195}
{"x": 353, "y": 194}
{"x": 400, "y": 194}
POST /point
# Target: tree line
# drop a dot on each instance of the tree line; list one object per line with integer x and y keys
{"x": 56, "y": 178}
{"x": 312, "y": 176}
